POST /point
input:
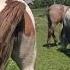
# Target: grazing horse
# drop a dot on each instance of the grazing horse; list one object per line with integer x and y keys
{"x": 55, "y": 16}
{"x": 17, "y": 34}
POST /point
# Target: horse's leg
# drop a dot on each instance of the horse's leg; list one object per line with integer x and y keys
{"x": 63, "y": 38}
{"x": 25, "y": 54}
{"x": 51, "y": 26}
{"x": 51, "y": 33}
{"x": 49, "y": 29}
{"x": 29, "y": 53}
{"x": 54, "y": 37}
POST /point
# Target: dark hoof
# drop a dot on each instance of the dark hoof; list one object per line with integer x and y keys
{"x": 49, "y": 45}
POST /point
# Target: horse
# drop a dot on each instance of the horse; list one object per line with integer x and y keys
{"x": 65, "y": 33}
{"x": 55, "y": 16}
{"x": 17, "y": 34}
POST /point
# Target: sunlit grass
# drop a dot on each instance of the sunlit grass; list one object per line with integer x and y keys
{"x": 11, "y": 65}
{"x": 48, "y": 59}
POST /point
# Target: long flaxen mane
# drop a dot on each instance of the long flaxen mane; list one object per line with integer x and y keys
{"x": 10, "y": 16}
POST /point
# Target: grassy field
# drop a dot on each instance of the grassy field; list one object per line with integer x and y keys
{"x": 47, "y": 59}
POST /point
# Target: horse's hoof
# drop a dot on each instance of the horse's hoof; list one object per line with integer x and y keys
{"x": 48, "y": 46}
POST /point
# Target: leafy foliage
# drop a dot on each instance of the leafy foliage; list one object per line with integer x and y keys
{"x": 45, "y": 3}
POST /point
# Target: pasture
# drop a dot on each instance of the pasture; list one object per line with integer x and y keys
{"x": 47, "y": 58}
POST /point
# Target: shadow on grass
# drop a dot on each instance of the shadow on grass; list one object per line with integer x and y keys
{"x": 65, "y": 51}
{"x": 50, "y": 45}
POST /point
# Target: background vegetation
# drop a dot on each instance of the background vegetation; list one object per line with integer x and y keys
{"x": 45, "y": 3}
{"x": 49, "y": 58}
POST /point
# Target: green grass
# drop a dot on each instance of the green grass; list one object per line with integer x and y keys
{"x": 47, "y": 59}
{"x": 11, "y": 65}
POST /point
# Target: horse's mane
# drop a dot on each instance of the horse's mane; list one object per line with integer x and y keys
{"x": 10, "y": 16}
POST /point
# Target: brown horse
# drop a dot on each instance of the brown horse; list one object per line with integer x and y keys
{"x": 17, "y": 34}
{"x": 55, "y": 15}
